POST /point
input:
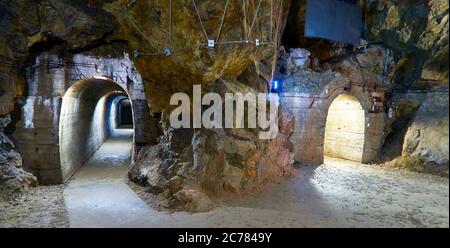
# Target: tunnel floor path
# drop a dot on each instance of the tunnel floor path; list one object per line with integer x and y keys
{"x": 335, "y": 194}
{"x": 98, "y": 196}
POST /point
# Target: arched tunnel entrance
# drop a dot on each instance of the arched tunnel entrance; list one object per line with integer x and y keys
{"x": 339, "y": 122}
{"x": 94, "y": 112}
{"x": 345, "y": 129}
{"x": 48, "y": 132}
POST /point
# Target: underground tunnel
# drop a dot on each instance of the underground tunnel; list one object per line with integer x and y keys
{"x": 88, "y": 90}
{"x": 92, "y": 112}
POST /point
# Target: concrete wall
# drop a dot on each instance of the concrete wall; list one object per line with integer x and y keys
{"x": 84, "y": 125}
{"x": 48, "y": 80}
{"x": 311, "y": 110}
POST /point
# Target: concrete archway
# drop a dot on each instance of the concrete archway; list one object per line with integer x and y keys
{"x": 85, "y": 121}
{"x": 311, "y": 110}
{"x": 37, "y": 132}
{"x": 345, "y": 129}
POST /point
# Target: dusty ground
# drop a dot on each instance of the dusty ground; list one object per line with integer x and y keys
{"x": 344, "y": 194}
{"x": 336, "y": 194}
{"x": 39, "y": 207}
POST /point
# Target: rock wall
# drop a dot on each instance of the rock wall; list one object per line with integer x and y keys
{"x": 417, "y": 31}
{"x": 13, "y": 178}
{"x": 194, "y": 168}
{"x": 150, "y": 31}
{"x": 425, "y": 147}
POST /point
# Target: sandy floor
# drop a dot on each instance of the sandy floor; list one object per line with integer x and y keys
{"x": 336, "y": 194}
{"x": 39, "y": 207}
{"x": 343, "y": 194}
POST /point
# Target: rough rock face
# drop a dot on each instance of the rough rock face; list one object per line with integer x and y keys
{"x": 191, "y": 166}
{"x": 12, "y": 177}
{"x": 426, "y": 146}
{"x": 418, "y": 33}
{"x": 150, "y": 32}
{"x": 371, "y": 68}
{"x": 29, "y": 28}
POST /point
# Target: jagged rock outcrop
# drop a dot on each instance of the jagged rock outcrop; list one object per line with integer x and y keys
{"x": 193, "y": 168}
{"x": 417, "y": 31}
{"x": 187, "y": 165}
{"x": 12, "y": 177}
{"x": 425, "y": 145}
{"x": 420, "y": 45}
{"x": 371, "y": 67}
{"x": 28, "y": 28}
{"x": 151, "y": 32}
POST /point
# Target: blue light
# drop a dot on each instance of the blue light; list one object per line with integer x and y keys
{"x": 275, "y": 85}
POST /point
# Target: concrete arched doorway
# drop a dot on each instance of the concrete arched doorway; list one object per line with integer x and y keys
{"x": 88, "y": 119}
{"x": 345, "y": 129}
{"x": 311, "y": 111}
{"x": 37, "y": 131}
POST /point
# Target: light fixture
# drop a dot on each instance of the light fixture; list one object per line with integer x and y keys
{"x": 276, "y": 86}
{"x": 101, "y": 78}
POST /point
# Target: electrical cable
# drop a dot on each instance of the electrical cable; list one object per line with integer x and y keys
{"x": 200, "y": 19}
{"x": 170, "y": 25}
{"x": 223, "y": 21}
{"x": 245, "y": 19}
{"x": 254, "y": 19}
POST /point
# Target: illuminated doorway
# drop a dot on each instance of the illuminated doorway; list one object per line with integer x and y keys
{"x": 345, "y": 129}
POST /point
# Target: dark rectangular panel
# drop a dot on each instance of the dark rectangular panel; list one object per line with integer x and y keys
{"x": 349, "y": 1}
{"x": 334, "y": 20}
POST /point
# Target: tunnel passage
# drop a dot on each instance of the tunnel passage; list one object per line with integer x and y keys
{"x": 124, "y": 114}
{"x": 87, "y": 120}
{"x": 120, "y": 114}
{"x": 345, "y": 129}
